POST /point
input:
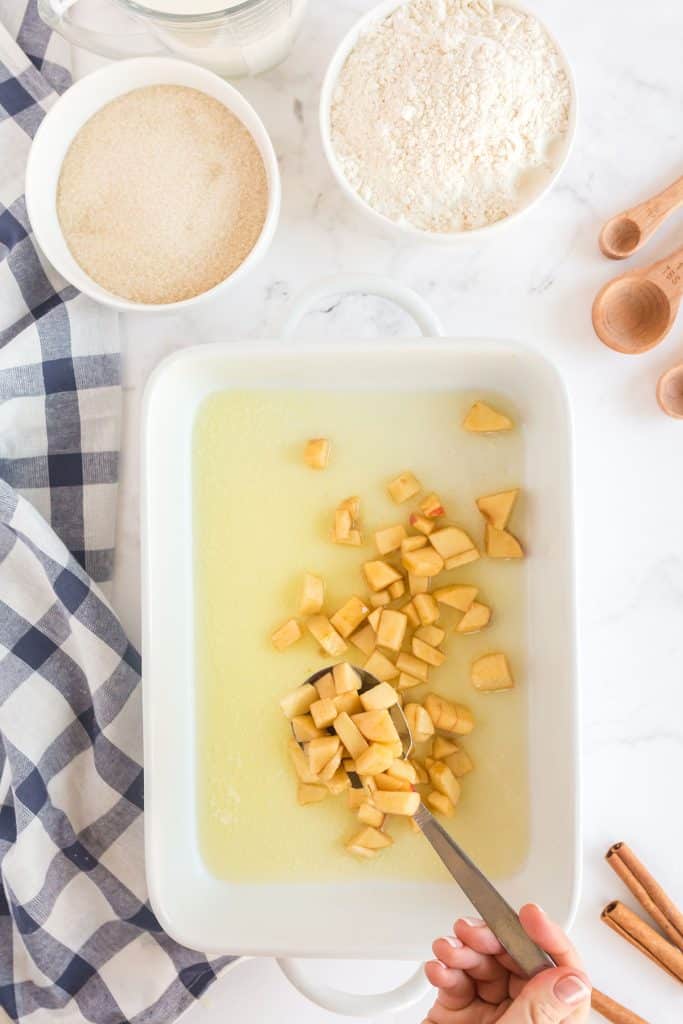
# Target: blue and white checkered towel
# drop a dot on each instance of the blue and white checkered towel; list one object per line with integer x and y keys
{"x": 77, "y": 937}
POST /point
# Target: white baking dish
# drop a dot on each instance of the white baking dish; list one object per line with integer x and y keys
{"x": 399, "y": 920}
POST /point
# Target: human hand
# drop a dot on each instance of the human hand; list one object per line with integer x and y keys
{"x": 479, "y": 983}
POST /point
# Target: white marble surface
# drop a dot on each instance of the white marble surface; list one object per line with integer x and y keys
{"x": 534, "y": 282}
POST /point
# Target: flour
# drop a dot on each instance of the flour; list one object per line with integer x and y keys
{"x": 449, "y": 114}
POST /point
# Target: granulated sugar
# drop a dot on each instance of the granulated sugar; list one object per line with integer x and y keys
{"x": 162, "y": 194}
{"x": 448, "y": 114}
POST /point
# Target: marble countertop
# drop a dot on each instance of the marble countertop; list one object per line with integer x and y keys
{"x": 535, "y": 282}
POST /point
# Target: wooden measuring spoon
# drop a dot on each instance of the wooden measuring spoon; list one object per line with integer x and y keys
{"x": 633, "y": 312}
{"x": 628, "y": 231}
{"x": 670, "y": 392}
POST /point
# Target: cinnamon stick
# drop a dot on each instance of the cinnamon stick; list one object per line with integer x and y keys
{"x": 636, "y": 931}
{"x": 647, "y": 891}
{"x": 613, "y": 1011}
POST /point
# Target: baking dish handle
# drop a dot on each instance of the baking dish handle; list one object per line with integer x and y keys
{"x": 353, "y": 1004}
{"x": 368, "y": 284}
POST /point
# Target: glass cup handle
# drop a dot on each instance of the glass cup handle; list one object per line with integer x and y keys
{"x": 114, "y": 45}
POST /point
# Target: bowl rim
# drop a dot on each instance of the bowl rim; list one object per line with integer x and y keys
{"x": 128, "y": 75}
{"x": 376, "y": 14}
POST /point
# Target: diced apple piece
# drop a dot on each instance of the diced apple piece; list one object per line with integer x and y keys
{"x": 380, "y": 575}
{"x": 312, "y": 595}
{"x": 355, "y": 798}
{"x": 412, "y": 666}
{"x": 458, "y": 595}
{"x": 351, "y": 505}
{"x": 317, "y": 452}
{"x": 407, "y": 682}
{"x": 451, "y": 541}
{"x": 379, "y": 698}
{"x": 364, "y": 639}
{"x": 443, "y": 779}
{"x": 422, "y": 523}
{"x": 376, "y": 726}
{"x": 397, "y": 590}
{"x": 305, "y": 729}
{"x": 440, "y": 803}
{"x": 308, "y": 793}
{"x": 492, "y": 672}
{"x": 389, "y": 539}
{"x": 404, "y": 770}
{"x": 327, "y": 636}
{"x": 348, "y": 702}
{"x": 374, "y": 620}
{"x": 427, "y": 609}
{"x": 397, "y": 803}
{"x": 459, "y": 762}
{"x": 423, "y": 562}
{"x": 346, "y": 678}
{"x": 496, "y": 508}
{"x": 421, "y": 775}
{"x": 300, "y": 762}
{"x": 413, "y": 544}
{"x": 299, "y": 701}
{"x": 369, "y": 815}
{"x": 321, "y": 752}
{"x": 390, "y": 784}
{"x": 354, "y": 539}
{"x": 342, "y": 524}
{"x": 361, "y": 851}
{"x": 349, "y": 616}
{"x": 409, "y": 610}
{"x": 381, "y": 599}
{"x": 482, "y": 418}
{"x": 476, "y": 618}
{"x": 371, "y": 839}
{"x": 396, "y": 748}
{"x": 375, "y": 760}
{"x": 403, "y": 487}
{"x": 502, "y": 544}
{"x": 431, "y": 635}
{"x": 418, "y": 585}
{"x": 332, "y": 766}
{"x": 426, "y": 653}
{"x": 323, "y": 713}
{"x": 432, "y": 506}
{"x": 379, "y": 666}
{"x": 350, "y": 735}
{"x": 325, "y": 687}
{"x": 419, "y": 722}
{"x": 464, "y": 559}
{"x": 442, "y": 748}
{"x": 448, "y": 717}
{"x": 286, "y": 635}
{"x": 392, "y": 629}
{"x": 339, "y": 782}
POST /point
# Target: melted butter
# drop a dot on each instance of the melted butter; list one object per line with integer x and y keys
{"x": 262, "y": 518}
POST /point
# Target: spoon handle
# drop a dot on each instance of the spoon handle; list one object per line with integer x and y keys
{"x": 649, "y": 214}
{"x": 498, "y": 914}
{"x": 668, "y": 274}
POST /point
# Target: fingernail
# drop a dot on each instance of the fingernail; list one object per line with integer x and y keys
{"x": 452, "y": 941}
{"x": 571, "y": 990}
{"x": 539, "y": 909}
{"x": 474, "y": 922}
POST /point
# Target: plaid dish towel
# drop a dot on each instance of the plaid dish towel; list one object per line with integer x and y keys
{"x": 78, "y": 939}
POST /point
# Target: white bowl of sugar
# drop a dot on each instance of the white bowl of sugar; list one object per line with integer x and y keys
{"x": 152, "y": 185}
{"x": 444, "y": 120}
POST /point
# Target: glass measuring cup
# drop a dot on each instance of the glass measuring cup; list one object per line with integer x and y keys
{"x": 231, "y": 37}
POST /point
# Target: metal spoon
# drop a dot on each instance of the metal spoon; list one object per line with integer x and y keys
{"x": 498, "y": 914}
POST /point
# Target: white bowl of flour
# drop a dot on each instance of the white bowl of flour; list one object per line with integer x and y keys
{"x": 446, "y": 119}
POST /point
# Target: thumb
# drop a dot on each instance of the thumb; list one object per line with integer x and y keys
{"x": 549, "y": 998}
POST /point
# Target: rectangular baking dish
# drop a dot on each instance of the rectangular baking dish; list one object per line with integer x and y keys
{"x": 387, "y": 920}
